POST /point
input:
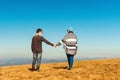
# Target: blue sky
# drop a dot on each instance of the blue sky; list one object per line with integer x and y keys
{"x": 95, "y": 22}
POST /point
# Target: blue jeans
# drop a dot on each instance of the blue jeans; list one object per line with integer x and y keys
{"x": 70, "y": 60}
{"x": 36, "y": 59}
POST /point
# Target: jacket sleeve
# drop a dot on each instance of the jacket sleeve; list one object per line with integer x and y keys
{"x": 62, "y": 41}
{"x": 77, "y": 44}
{"x": 77, "y": 41}
{"x": 59, "y": 43}
{"x": 32, "y": 44}
{"x": 46, "y": 41}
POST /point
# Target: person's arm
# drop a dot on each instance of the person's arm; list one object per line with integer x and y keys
{"x": 32, "y": 44}
{"x": 62, "y": 41}
{"x": 76, "y": 43}
{"x": 59, "y": 43}
{"x": 47, "y": 42}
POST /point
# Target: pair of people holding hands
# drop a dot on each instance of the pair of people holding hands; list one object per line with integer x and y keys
{"x": 70, "y": 45}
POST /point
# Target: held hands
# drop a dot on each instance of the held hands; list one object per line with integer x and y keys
{"x": 54, "y": 45}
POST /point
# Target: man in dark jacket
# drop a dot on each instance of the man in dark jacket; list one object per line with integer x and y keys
{"x": 36, "y": 47}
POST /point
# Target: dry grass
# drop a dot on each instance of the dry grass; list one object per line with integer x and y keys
{"x": 108, "y": 69}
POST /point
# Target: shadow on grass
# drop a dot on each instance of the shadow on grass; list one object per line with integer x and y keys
{"x": 30, "y": 69}
{"x": 64, "y": 67}
{"x": 0, "y": 74}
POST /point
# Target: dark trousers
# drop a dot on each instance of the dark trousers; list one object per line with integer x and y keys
{"x": 70, "y": 60}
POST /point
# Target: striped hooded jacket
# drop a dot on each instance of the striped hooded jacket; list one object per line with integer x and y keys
{"x": 70, "y": 43}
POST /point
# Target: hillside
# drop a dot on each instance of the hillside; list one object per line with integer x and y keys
{"x": 107, "y": 69}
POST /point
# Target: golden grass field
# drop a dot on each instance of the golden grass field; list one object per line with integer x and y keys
{"x": 107, "y": 69}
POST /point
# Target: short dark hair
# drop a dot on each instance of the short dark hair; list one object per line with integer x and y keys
{"x": 39, "y": 30}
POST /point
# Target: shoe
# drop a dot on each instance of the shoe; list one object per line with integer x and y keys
{"x": 37, "y": 70}
{"x": 69, "y": 68}
{"x": 33, "y": 68}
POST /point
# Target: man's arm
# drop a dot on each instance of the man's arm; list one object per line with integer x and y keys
{"x": 32, "y": 44}
{"x": 47, "y": 42}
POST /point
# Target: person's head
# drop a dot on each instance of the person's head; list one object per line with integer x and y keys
{"x": 70, "y": 30}
{"x": 39, "y": 31}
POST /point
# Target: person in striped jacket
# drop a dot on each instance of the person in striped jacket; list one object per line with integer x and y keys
{"x": 70, "y": 45}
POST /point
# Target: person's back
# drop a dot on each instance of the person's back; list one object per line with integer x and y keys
{"x": 70, "y": 46}
{"x": 70, "y": 43}
{"x": 37, "y": 44}
{"x": 36, "y": 47}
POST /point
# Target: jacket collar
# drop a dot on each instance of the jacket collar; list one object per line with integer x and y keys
{"x": 38, "y": 34}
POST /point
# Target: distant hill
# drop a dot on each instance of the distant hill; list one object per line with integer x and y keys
{"x": 106, "y": 69}
{"x": 21, "y": 61}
